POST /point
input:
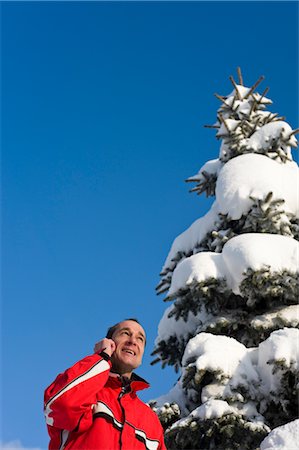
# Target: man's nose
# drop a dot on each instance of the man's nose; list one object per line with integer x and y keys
{"x": 132, "y": 340}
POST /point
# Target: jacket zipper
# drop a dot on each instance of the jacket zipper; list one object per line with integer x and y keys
{"x": 123, "y": 392}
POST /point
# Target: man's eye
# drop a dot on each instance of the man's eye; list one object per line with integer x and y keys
{"x": 141, "y": 338}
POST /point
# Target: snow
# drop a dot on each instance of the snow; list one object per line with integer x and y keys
{"x": 242, "y": 376}
{"x": 212, "y": 166}
{"x": 263, "y": 137}
{"x": 230, "y": 125}
{"x": 211, "y": 353}
{"x": 169, "y": 326}
{"x": 198, "y": 267}
{"x": 257, "y": 251}
{"x": 181, "y": 329}
{"x": 256, "y": 175}
{"x": 213, "y": 409}
{"x": 245, "y": 367}
{"x": 248, "y": 250}
{"x": 187, "y": 240}
{"x": 243, "y": 108}
{"x": 261, "y": 100}
{"x": 224, "y": 150}
{"x": 242, "y": 90}
{"x": 288, "y": 315}
{"x": 282, "y": 346}
{"x": 282, "y": 438}
{"x": 175, "y": 395}
{"x": 241, "y": 177}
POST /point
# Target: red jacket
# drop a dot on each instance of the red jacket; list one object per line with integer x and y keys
{"x": 87, "y": 408}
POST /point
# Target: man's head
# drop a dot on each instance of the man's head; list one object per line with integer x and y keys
{"x": 129, "y": 337}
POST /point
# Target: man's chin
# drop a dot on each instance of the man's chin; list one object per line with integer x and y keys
{"x": 123, "y": 367}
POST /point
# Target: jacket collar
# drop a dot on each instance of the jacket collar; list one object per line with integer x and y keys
{"x": 136, "y": 382}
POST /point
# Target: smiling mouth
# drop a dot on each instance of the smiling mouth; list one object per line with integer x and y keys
{"x": 129, "y": 351}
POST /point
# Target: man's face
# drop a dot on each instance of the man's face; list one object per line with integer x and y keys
{"x": 129, "y": 338}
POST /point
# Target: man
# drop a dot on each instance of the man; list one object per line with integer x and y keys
{"x": 94, "y": 406}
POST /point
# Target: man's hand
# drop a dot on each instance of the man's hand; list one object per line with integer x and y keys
{"x": 105, "y": 345}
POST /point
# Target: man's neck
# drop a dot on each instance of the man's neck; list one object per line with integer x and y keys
{"x": 122, "y": 375}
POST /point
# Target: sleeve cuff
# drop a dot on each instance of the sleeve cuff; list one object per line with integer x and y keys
{"x": 104, "y": 355}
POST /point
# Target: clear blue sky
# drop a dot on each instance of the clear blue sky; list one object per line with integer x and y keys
{"x": 103, "y": 107}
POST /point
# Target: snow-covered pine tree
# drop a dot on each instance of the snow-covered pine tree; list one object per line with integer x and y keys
{"x": 232, "y": 327}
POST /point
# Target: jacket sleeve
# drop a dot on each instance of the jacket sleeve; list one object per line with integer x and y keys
{"x": 70, "y": 398}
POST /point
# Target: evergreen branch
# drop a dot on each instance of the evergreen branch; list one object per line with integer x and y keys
{"x": 256, "y": 103}
{"x": 254, "y": 86}
{"x": 155, "y": 361}
{"x": 212, "y": 126}
{"x": 236, "y": 88}
{"x": 207, "y": 183}
{"x": 240, "y": 76}
{"x": 220, "y": 97}
{"x": 267, "y": 289}
{"x": 228, "y": 432}
{"x": 265, "y": 92}
{"x": 222, "y": 120}
{"x": 296, "y": 131}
